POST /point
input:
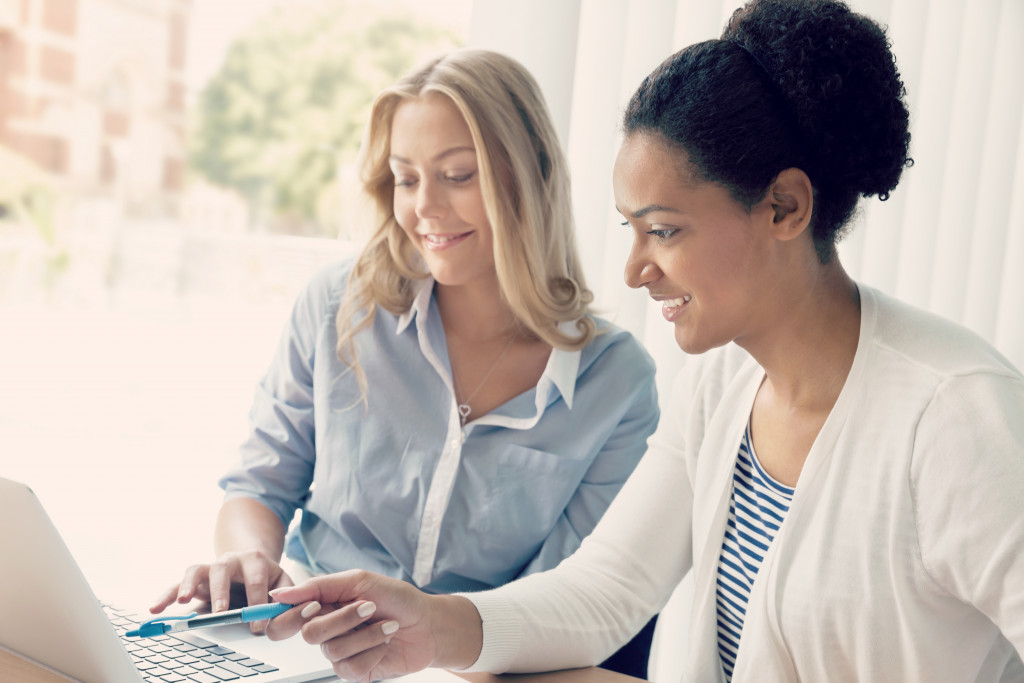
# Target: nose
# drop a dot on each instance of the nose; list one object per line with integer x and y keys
{"x": 430, "y": 203}
{"x": 640, "y": 270}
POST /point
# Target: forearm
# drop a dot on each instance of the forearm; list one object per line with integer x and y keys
{"x": 245, "y": 524}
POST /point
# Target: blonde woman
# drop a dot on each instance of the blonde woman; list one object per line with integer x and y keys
{"x": 444, "y": 410}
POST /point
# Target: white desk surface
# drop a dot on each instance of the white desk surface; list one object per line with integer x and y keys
{"x": 18, "y": 670}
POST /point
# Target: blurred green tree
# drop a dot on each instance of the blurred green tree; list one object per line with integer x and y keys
{"x": 289, "y": 106}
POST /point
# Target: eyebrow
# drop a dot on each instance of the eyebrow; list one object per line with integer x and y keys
{"x": 640, "y": 213}
{"x": 446, "y": 153}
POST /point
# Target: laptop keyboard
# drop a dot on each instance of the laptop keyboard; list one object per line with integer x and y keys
{"x": 182, "y": 657}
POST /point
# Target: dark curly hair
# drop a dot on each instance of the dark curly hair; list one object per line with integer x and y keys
{"x": 791, "y": 83}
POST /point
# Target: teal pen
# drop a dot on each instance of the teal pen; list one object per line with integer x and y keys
{"x": 162, "y": 625}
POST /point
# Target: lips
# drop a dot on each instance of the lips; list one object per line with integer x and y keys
{"x": 671, "y": 309}
{"x": 440, "y": 242}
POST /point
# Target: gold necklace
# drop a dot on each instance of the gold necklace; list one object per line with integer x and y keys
{"x": 464, "y": 407}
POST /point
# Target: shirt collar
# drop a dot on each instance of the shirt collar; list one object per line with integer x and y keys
{"x": 562, "y": 365}
{"x": 422, "y": 289}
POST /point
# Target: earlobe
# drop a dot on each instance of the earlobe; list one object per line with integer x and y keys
{"x": 792, "y": 201}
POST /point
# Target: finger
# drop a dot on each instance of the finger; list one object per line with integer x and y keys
{"x": 288, "y": 624}
{"x": 283, "y": 581}
{"x": 361, "y": 640}
{"x": 194, "y": 576}
{"x": 360, "y": 667}
{"x": 341, "y": 621}
{"x": 168, "y": 596}
{"x": 256, "y": 577}
{"x": 220, "y": 586}
{"x": 339, "y": 588}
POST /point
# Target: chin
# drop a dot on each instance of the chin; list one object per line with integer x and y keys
{"x": 694, "y": 347}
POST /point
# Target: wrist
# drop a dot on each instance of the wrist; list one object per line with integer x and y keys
{"x": 458, "y": 631}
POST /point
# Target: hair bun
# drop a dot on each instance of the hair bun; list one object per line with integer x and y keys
{"x": 836, "y": 71}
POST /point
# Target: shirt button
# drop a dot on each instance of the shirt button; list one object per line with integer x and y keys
{"x": 454, "y": 443}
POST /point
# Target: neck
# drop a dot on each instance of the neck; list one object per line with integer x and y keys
{"x": 809, "y": 346}
{"x": 475, "y": 312}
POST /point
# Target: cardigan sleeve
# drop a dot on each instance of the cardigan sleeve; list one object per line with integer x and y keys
{"x": 967, "y": 479}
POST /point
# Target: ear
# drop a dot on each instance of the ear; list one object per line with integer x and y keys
{"x": 792, "y": 200}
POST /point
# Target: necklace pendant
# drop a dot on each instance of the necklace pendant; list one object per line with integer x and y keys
{"x": 464, "y": 411}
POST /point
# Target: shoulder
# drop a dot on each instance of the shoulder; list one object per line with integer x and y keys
{"x": 325, "y": 289}
{"x": 929, "y": 344}
{"x": 616, "y": 347}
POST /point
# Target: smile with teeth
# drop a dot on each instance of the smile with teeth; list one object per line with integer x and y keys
{"x": 440, "y": 242}
{"x": 440, "y": 239}
{"x": 676, "y": 303}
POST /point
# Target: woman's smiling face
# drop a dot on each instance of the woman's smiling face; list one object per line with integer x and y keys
{"x": 696, "y": 249}
{"x": 438, "y": 200}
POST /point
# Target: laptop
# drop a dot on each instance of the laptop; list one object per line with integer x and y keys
{"x": 49, "y": 614}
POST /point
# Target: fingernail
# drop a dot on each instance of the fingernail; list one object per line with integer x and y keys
{"x": 366, "y": 609}
{"x": 389, "y": 627}
{"x": 278, "y": 590}
{"x": 310, "y": 610}
{"x": 220, "y": 605}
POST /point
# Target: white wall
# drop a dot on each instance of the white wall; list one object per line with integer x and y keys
{"x": 950, "y": 238}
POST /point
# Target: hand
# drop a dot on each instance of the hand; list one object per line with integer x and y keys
{"x": 372, "y": 627}
{"x": 252, "y": 571}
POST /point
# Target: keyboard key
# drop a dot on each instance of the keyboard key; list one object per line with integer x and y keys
{"x": 221, "y": 674}
{"x": 265, "y": 668}
{"x": 248, "y": 661}
{"x": 237, "y": 668}
{"x": 184, "y": 647}
{"x": 194, "y": 640}
{"x": 200, "y": 677}
{"x": 235, "y": 656}
{"x": 173, "y": 678}
{"x": 218, "y": 650}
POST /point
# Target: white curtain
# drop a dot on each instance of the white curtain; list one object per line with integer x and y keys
{"x": 951, "y": 237}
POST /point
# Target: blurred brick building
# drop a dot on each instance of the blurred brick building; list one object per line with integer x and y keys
{"x": 93, "y": 91}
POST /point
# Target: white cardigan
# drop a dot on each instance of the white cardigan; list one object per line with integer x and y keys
{"x": 901, "y": 558}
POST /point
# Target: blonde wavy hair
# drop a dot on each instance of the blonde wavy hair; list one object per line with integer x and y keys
{"x": 524, "y": 181}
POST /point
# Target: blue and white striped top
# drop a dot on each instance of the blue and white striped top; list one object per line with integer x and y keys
{"x": 756, "y": 510}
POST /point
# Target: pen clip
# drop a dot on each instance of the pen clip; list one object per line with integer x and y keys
{"x": 155, "y": 627}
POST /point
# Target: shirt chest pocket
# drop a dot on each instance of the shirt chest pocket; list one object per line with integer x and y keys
{"x": 515, "y": 498}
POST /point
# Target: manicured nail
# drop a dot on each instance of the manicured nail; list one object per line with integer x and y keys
{"x": 310, "y": 610}
{"x": 278, "y": 590}
{"x": 389, "y": 627}
{"x": 366, "y": 609}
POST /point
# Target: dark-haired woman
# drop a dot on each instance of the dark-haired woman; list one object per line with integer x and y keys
{"x": 841, "y": 472}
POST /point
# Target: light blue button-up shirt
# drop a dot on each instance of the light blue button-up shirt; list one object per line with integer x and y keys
{"x": 399, "y": 487}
